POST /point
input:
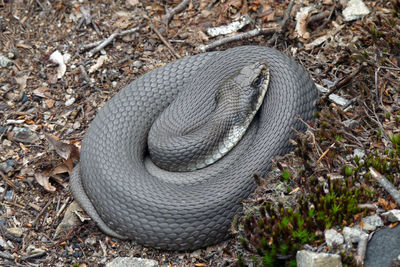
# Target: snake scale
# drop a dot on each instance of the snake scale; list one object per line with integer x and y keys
{"x": 129, "y": 197}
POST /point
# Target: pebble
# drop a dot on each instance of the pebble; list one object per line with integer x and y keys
{"x": 5, "y": 167}
{"x": 353, "y": 124}
{"x": 392, "y": 215}
{"x": 24, "y": 135}
{"x": 333, "y": 238}
{"x": 2, "y": 129}
{"x": 352, "y": 235}
{"x": 355, "y": 9}
{"x": 5, "y": 61}
{"x": 3, "y": 244}
{"x": 306, "y": 258}
{"x": 70, "y": 101}
{"x": 15, "y": 231}
{"x": 9, "y": 195}
{"x": 137, "y": 64}
{"x": 370, "y": 223}
{"x": 132, "y": 262}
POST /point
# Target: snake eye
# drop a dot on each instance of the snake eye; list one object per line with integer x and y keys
{"x": 257, "y": 81}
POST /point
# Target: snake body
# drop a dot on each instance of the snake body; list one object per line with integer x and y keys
{"x": 130, "y": 197}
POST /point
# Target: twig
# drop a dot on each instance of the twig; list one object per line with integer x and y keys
{"x": 103, "y": 44}
{"x": 98, "y": 45}
{"x": 384, "y": 182}
{"x": 283, "y": 23}
{"x": 24, "y": 258}
{"x": 41, "y": 212}
{"x": 377, "y": 121}
{"x": 84, "y": 73}
{"x": 181, "y": 6}
{"x": 62, "y": 207}
{"x": 342, "y": 82}
{"x": 324, "y": 154}
{"x": 167, "y": 44}
{"x": 8, "y": 181}
{"x": 237, "y": 37}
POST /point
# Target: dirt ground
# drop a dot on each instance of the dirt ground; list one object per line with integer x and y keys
{"x": 54, "y": 78}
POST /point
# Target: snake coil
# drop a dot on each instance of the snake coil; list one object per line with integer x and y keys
{"x": 130, "y": 197}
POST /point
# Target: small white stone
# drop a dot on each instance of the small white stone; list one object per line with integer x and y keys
{"x": 333, "y": 238}
{"x": 352, "y": 235}
{"x": 131, "y": 262}
{"x": 370, "y": 223}
{"x": 70, "y": 101}
{"x": 355, "y": 9}
{"x": 392, "y": 215}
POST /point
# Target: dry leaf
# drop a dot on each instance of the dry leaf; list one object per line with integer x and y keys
{"x": 62, "y": 149}
{"x": 43, "y": 179}
{"x": 63, "y": 168}
{"x": 21, "y": 80}
{"x": 70, "y": 219}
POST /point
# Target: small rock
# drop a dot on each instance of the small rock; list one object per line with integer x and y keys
{"x": 90, "y": 241}
{"x": 338, "y": 100}
{"x": 353, "y": 124}
{"x": 15, "y": 231}
{"x": 24, "y": 135}
{"x": 5, "y": 167}
{"x": 333, "y": 238}
{"x": 70, "y": 101}
{"x": 10, "y": 162}
{"x": 352, "y": 235}
{"x": 370, "y": 223}
{"x": 3, "y": 244}
{"x": 6, "y": 143}
{"x": 306, "y": 258}
{"x": 5, "y": 61}
{"x": 132, "y": 262}
{"x": 2, "y": 129}
{"x": 137, "y": 64}
{"x": 392, "y": 215}
{"x": 355, "y": 9}
{"x": 6, "y": 255}
{"x": 9, "y": 195}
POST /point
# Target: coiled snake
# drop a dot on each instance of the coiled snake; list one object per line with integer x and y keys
{"x": 130, "y": 197}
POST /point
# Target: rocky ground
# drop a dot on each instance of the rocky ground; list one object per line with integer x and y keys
{"x": 60, "y": 61}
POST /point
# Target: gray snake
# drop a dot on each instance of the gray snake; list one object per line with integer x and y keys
{"x": 130, "y": 197}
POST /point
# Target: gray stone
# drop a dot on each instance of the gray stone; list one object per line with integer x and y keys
{"x": 5, "y": 61}
{"x": 392, "y": 215}
{"x": 306, "y": 258}
{"x": 338, "y": 100}
{"x": 370, "y": 223}
{"x": 352, "y": 235}
{"x": 383, "y": 248}
{"x": 353, "y": 124}
{"x": 333, "y": 238}
{"x": 132, "y": 262}
{"x": 137, "y": 64}
{"x": 15, "y": 231}
{"x": 3, "y": 244}
{"x": 24, "y": 135}
{"x": 355, "y": 9}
